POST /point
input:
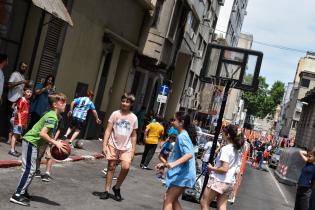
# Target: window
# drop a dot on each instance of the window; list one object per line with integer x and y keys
{"x": 294, "y": 124}
{"x": 191, "y": 74}
{"x": 193, "y": 22}
{"x": 156, "y": 16}
{"x": 195, "y": 83}
{"x": 13, "y": 16}
{"x": 305, "y": 83}
{"x": 175, "y": 19}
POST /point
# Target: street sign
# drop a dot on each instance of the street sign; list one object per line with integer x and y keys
{"x": 161, "y": 99}
{"x": 164, "y": 90}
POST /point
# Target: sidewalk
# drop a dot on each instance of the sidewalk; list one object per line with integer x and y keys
{"x": 91, "y": 151}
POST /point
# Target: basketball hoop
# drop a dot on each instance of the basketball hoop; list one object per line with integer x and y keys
{"x": 229, "y": 67}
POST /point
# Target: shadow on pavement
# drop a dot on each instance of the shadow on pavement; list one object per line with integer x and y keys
{"x": 44, "y": 200}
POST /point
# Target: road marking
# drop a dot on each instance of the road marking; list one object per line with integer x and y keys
{"x": 279, "y": 188}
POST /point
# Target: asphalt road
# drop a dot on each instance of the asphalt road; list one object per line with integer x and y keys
{"x": 75, "y": 182}
{"x": 261, "y": 191}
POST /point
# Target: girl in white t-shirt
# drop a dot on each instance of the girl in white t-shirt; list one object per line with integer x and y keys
{"x": 222, "y": 174}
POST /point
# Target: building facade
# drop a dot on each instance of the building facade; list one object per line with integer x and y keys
{"x": 197, "y": 37}
{"x": 227, "y": 32}
{"x": 305, "y": 130}
{"x": 96, "y": 53}
{"x": 293, "y": 109}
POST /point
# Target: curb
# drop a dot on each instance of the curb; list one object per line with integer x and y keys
{"x": 96, "y": 156}
{"x": 15, "y": 163}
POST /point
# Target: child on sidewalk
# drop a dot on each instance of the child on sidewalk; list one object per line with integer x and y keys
{"x": 20, "y": 119}
{"x": 40, "y": 133}
{"x": 78, "y": 112}
{"x": 119, "y": 144}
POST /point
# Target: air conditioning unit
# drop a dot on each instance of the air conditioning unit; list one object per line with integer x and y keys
{"x": 221, "y": 2}
{"x": 191, "y": 33}
{"x": 199, "y": 53}
{"x": 234, "y": 8}
{"x": 195, "y": 38}
{"x": 189, "y": 91}
{"x": 196, "y": 104}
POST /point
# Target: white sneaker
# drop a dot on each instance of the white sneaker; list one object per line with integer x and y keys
{"x": 104, "y": 171}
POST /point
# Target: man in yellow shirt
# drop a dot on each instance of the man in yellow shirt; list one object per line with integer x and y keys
{"x": 152, "y": 134}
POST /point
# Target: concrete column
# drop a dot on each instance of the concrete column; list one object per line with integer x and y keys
{"x": 181, "y": 68}
{"x": 110, "y": 77}
{"x": 120, "y": 80}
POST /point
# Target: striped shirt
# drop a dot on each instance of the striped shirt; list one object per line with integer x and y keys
{"x": 81, "y": 106}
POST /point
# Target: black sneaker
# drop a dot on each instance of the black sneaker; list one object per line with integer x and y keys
{"x": 15, "y": 153}
{"x": 63, "y": 137}
{"x": 26, "y": 195}
{"x": 117, "y": 195}
{"x": 38, "y": 174}
{"x": 21, "y": 200}
{"x": 104, "y": 195}
{"x": 46, "y": 178}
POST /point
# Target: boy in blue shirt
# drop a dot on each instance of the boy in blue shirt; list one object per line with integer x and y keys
{"x": 78, "y": 112}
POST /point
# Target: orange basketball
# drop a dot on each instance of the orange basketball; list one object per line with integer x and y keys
{"x": 60, "y": 155}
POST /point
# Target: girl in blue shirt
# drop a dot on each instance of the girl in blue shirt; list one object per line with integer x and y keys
{"x": 307, "y": 177}
{"x": 181, "y": 171}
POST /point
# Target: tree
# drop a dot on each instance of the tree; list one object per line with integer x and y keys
{"x": 263, "y": 101}
{"x": 277, "y": 91}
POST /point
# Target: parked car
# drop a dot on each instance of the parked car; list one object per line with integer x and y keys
{"x": 275, "y": 158}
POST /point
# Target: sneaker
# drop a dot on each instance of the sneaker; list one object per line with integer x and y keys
{"x": 26, "y": 195}
{"x": 100, "y": 139}
{"x": 38, "y": 174}
{"x": 117, "y": 196}
{"x": 63, "y": 137}
{"x": 141, "y": 165}
{"x": 15, "y": 153}
{"x": 46, "y": 178}
{"x": 104, "y": 171}
{"x": 104, "y": 195}
{"x": 21, "y": 200}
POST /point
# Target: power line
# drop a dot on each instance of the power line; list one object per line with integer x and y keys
{"x": 269, "y": 45}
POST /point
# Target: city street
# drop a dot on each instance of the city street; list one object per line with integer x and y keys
{"x": 74, "y": 183}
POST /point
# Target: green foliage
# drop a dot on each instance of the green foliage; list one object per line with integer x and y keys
{"x": 263, "y": 101}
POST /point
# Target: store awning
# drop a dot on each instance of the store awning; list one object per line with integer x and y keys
{"x": 56, "y": 8}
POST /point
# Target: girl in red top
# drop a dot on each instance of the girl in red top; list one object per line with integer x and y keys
{"x": 20, "y": 119}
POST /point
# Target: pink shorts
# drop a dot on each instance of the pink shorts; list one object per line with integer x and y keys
{"x": 220, "y": 187}
{"x": 115, "y": 154}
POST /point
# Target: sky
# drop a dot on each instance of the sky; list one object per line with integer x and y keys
{"x": 287, "y": 23}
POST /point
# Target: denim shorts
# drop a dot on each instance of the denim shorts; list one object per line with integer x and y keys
{"x": 17, "y": 130}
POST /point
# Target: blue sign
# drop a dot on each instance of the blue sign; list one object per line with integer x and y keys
{"x": 164, "y": 90}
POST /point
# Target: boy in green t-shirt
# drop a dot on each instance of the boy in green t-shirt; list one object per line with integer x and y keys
{"x": 43, "y": 131}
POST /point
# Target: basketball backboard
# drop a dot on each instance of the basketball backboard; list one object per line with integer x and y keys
{"x": 240, "y": 66}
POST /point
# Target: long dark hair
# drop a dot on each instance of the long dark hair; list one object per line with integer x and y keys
{"x": 185, "y": 118}
{"x": 234, "y": 137}
{"x": 46, "y": 80}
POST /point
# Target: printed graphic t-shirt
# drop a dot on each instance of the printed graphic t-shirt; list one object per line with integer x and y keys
{"x": 49, "y": 120}
{"x": 123, "y": 125}
{"x": 81, "y": 106}
{"x": 22, "y": 108}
